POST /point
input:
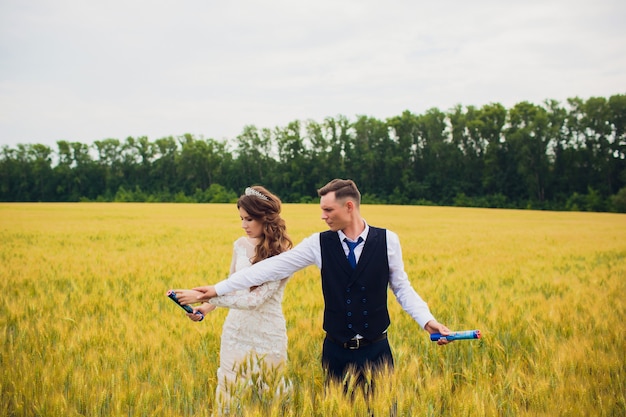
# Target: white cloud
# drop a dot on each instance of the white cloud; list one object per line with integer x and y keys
{"x": 85, "y": 71}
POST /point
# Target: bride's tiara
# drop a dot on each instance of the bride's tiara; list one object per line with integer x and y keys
{"x": 252, "y": 191}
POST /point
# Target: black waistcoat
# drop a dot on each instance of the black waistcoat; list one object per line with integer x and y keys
{"x": 355, "y": 300}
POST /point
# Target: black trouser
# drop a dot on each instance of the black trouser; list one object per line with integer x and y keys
{"x": 338, "y": 360}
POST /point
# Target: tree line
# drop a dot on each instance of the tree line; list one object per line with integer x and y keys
{"x": 550, "y": 156}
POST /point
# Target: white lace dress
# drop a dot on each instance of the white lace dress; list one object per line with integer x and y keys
{"x": 254, "y": 328}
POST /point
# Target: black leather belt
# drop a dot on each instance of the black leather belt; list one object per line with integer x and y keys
{"x": 353, "y": 344}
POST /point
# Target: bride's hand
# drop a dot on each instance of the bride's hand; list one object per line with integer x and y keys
{"x": 204, "y": 309}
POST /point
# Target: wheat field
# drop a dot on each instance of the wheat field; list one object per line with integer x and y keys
{"x": 88, "y": 331}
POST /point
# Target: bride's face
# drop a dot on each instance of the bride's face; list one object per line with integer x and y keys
{"x": 252, "y": 227}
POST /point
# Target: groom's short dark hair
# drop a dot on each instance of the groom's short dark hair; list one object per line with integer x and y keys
{"x": 343, "y": 189}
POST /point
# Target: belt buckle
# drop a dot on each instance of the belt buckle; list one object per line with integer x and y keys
{"x": 353, "y": 344}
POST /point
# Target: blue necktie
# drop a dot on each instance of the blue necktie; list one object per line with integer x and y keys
{"x": 351, "y": 246}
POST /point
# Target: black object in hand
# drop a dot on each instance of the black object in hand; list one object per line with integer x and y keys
{"x": 172, "y": 295}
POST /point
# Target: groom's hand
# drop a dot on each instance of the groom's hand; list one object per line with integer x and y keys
{"x": 207, "y": 292}
{"x": 435, "y": 327}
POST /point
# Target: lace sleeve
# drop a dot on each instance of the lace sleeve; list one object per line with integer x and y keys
{"x": 246, "y": 299}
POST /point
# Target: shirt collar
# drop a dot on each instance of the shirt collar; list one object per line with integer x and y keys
{"x": 363, "y": 234}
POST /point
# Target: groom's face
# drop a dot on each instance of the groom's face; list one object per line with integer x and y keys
{"x": 335, "y": 212}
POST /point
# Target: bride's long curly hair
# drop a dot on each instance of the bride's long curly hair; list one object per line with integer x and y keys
{"x": 274, "y": 239}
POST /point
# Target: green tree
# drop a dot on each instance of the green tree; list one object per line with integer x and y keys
{"x": 617, "y": 106}
{"x": 404, "y": 132}
{"x": 436, "y": 165}
{"x": 496, "y": 169}
{"x": 9, "y": 175}
{"x": 255, "y": 161}
{"x": 64, "y": 173}
{"x": 294, "y": 180}
{"x": 528, "y": 138}
{"x": 599, "y": 140}
{"x": 110, "y": 166}
{"x": 137, "y": 158}
{"x": 466, "y": 129}
{"x": 163, "y": 169}
{"x": 200, "y": 162}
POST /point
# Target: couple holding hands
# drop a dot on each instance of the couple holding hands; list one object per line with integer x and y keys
{"x": 357, "y": 262}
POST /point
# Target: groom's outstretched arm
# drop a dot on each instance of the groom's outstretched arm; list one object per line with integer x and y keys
{"x": 277, "y": 267}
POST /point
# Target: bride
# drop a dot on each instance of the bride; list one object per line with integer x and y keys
{"x": 254, "y": 336}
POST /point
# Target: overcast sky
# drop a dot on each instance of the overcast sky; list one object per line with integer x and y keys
{"x": 83, "y": 70}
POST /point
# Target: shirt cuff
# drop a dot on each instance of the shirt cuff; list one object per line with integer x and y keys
{"x": 221, "y": 288}
{"x": 424, "y": 320}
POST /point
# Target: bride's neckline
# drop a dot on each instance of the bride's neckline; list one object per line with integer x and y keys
{"x": 251, "y": 241}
